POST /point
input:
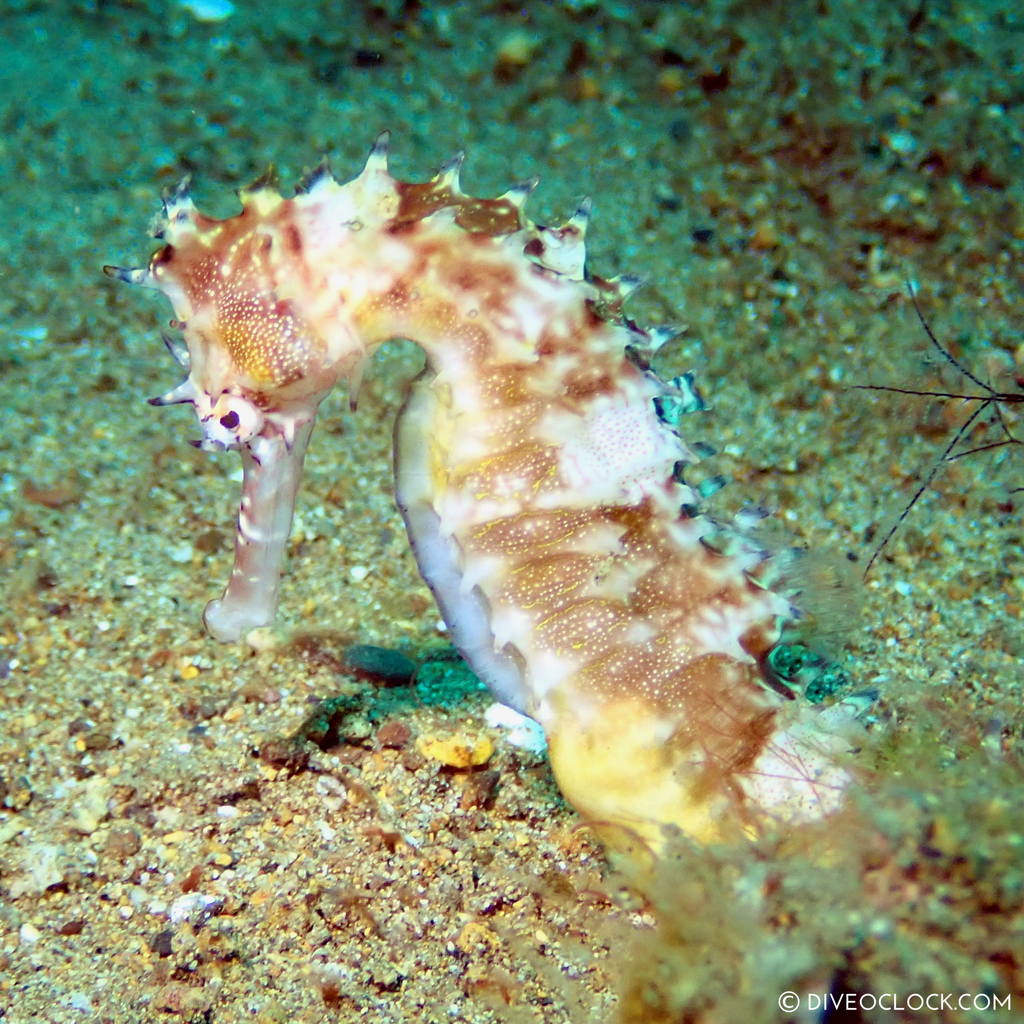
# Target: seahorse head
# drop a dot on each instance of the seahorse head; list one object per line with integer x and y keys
{"x": 255, "y": 348}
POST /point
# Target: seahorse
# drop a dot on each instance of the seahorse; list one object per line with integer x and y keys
{"x": 539, "y": 470}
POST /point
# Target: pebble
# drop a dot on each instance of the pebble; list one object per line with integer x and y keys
{"x": 521, "y": 731}
{"x": 180, "y": 553}
{"x": 764, "y": 236}
{"x": 123, "y": 842}
{"x": 457, "y": 751}
{"x": 91, "y": 806}
{"x": 162, "y": 943}
{"x": 390, "y": 667}
{"x": 190, "y": 906}
{"x": 393, "y": 734}
{"x": 479, "y": 790}
{"x": 16, "y": 794}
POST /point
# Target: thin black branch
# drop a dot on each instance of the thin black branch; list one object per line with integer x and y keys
{"x": 989, "y": 399}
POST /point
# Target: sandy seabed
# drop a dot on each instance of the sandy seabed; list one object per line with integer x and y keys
{"x": 776, "y": 173}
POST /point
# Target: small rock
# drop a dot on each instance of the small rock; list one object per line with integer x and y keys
{"x": 15, "y": 794}
{"x": 194, "y": 907}
{"x": 521, "y": 731}
{"x": 258, "y": 691}
{"x": 178, "y": 998}
{"x": 393, "y": 734}
{"x": 280, "y": 753}
{"x": 209, "y": 541}
{"x": 479, "y": 790}
{"x": 457, "y": 751}
{"x": 390, "y": 667}
{"x": 55, "y": 496}
{"x": 42, "y": 869}
{"x": 99, "y": 739}
{"x": 123, "y": 842}
{"x": 190, "y": 883}
{"x": 91, "y": 806}
{"x": 764, "y": 236}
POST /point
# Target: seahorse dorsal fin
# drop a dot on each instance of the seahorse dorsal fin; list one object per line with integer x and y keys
{"x": 581, "y": 218}
{"x": 177, "y": 201}
{"x": 315, "y": 176}
{"x": 448, "y": 174}
{"x": 266, "y": 182}
{"x": 377, "y": 161}
{"x": 518, "y": 194}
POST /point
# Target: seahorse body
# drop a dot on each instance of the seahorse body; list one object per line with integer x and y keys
{"x": 538, "y": 471}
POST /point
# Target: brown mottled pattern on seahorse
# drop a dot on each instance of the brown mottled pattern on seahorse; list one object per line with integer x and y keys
{"x": 536, "y": 475}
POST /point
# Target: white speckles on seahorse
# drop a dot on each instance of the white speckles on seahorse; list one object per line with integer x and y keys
{"x": 537, "y": 470}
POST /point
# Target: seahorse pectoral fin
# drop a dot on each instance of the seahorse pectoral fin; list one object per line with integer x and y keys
{"x": 272, "y": 470}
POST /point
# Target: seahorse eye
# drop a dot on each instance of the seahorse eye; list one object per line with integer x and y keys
{"x": 228, "y": 422}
